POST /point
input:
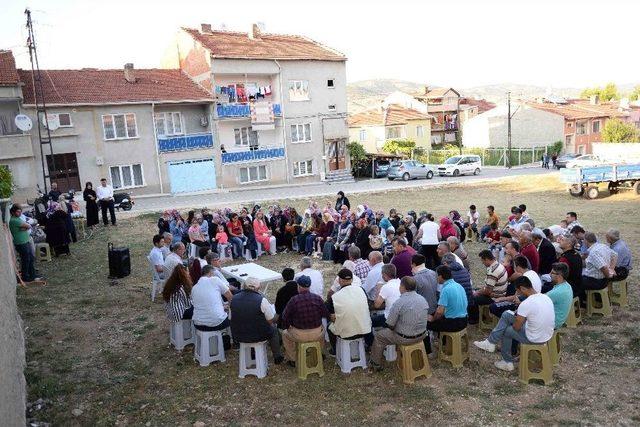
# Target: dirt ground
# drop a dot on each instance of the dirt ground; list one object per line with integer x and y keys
{"x": 98, "y": 353}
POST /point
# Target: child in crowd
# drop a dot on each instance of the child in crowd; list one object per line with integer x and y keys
{"x": 221, "y": 236}
{"x": 375, "y": 239}
{"x": 493, "y": 236}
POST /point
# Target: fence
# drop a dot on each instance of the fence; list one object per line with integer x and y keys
{"x": 489, "y": 156}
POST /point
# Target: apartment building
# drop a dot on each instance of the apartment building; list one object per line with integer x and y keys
{"x": 280, "y": 104}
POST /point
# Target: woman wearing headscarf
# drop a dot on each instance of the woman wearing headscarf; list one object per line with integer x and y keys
{"x": 326, "y": 229}
{"x": 447, "y": 229}
{"x": 342, "y": 200}
{"x": 329, "y": 244}
{"x": 343, "y": 240}
{"x": 459, "y": 223}
{"x": 362, "y": 238}
{"x": 292, "y": 229}
{"x": 56, "y": 229}
{"x": 89, "y": 196}
{"x": 71, "y": 227}
{"x": 262, "y": 231}
{"x": 278, "y": 225}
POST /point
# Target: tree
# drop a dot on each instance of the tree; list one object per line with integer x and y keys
{"x": 635, "y": 94}
{"x": 608, "y": 93}
{"x": 6, "y": 183}
{"x": 615, "y": 130}
{"x": 357, "y": 154}
{"x": 399, "y": 146}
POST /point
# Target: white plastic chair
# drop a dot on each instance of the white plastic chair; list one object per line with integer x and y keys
{"x": 208, "y": 350}
{"x": 253, "y": 365}
{"x": 181, "y": 334}
{"x": 350, "y": 354}
{"x": 390, "y": 354}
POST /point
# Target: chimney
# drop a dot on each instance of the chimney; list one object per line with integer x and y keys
{"x": 129, "y": 73}
{"x": 205, "y": 28}
{"x": 594, "y": 100}
{"x": 255, "y": 33}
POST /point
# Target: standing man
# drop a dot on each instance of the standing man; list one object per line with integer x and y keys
{"x": 54, "y": 193}
{"x": 20, "y": 233}
{"x": 105, "y": 198}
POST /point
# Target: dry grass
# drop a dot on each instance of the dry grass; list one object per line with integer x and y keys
{"x": 102, "y": 347}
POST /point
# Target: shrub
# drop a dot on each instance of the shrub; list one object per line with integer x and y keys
{"x": 6, "y": 183}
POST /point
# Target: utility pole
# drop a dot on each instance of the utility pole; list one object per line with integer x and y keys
{"x": 38, "y": 96}
{"x": 508, "y": 159}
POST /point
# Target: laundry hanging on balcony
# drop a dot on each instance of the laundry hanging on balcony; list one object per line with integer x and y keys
{"x": 262, "y": 116}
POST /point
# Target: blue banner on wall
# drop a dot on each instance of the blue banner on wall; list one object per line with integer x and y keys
{"x": 185, "y": 142}
{"x": 253, "y": 155}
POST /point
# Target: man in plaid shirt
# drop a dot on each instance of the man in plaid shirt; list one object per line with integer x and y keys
{"x": 599, "y": 265}
{"x": 362, "y": 266}
{"x": 302, "y": 319}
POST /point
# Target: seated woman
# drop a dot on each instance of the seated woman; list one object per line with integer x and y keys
{"x": 196, "y": 236}
{"x": 314, "y": 230}
{"x": 305, "y": 230}
{"x": 177, "y": 295}
{"x": 262, "y": 231}
{"x": 292, "y": 229}
{"x": 325, "y": 231}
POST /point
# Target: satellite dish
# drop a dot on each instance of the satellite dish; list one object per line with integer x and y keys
{"x": 52, "y": 122}
{"x": 23, "y": 122}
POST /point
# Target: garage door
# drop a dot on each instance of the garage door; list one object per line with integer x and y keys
{"x": 192, "y": 175}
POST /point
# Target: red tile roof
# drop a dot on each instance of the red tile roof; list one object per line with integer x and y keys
{"x": 227, "y": 44}
{"x": 580, "y": 109}
{"x": 8, "y": 73}
{"x": 482, "y": 104}
{"x": 395, "y": 115}
{"x": 93, "y": 86}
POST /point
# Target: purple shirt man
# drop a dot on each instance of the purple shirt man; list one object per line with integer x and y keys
{"x": 402, "y": 258}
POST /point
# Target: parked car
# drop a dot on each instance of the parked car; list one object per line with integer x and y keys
{"x": 460, "y": 165}
{"x": 561, "y": 162}
{"x": 585, "y": 161}
{"x": 409, "y": 169}
{"x": 373, "y": 168}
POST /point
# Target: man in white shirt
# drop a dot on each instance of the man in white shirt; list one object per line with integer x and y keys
{"x": 317, "y": 282}
{"x": 374, "y": 276}
{"x": 105, "y": 198}
{"x": 388, "y": 294}
{"x": 443, "y": 248}
{"x": 472, "y": 220}
{"x": 208, "y": 307}
{"x": 429, "y": 235}
{"x": 533, "y": 323}
{"x": 173, "y": 259}
{"x": 213, "y": 259}
{"x": 155, "y": 256}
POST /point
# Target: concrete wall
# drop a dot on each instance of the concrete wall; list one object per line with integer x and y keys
{"x": 13, "y": 393}
{"x": 629, "y": 152}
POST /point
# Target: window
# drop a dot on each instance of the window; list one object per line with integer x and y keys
{"x": 253, "y": 174}
{"x": 126, "y": 176}
{"x": 65, "y": 120}
{"x": 298, "y": 90}
{"x": 569, "y": 124}
{"x": 246, "y": 137}
{"x": 393, "y": 132}
{"x": 581, "y": 128}
{"x": 330, "y": 84}
{"x": 304, "y": 168}
{"x": 119, "y": 126}
{"x": 301, "y": 132}
{"x": 363, "y": 135}
{"x": 168, "y": 124}
{"x": 332, "y": 107}
{"x": 595, "y": 126}
{"x": 569, "y": 139}
{"x": 419, "y": 131}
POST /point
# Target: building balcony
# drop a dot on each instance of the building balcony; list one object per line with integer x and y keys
{"x": 256, "y": 154}
{"x": 15, "y": 146}
{"x": 193, "y": 141}
{"x": 234, "y": 111}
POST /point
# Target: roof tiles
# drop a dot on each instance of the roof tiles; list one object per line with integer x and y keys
{"x": 395, "y": 115}
{"x": 8, "y": 73}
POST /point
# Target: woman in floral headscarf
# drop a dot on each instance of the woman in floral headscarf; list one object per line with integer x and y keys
{"x": 56, "y": 229}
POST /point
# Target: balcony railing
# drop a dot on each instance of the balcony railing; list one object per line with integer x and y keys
{"x": 255, "y": 155}
{"x": 185, "y": 142}
{"x": 226, "y": 111}
{"x": 15, "y": 146}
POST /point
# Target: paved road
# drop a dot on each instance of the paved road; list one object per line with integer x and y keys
{"x": 233, "y": 198}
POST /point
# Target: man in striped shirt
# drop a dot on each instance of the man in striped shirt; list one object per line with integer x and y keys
{"x": 495, "y": 283}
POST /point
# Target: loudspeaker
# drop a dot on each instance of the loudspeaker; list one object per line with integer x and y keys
{"x": 119, "y": 262}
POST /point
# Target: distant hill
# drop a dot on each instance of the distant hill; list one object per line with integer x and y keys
{"x": 366, "y": 94}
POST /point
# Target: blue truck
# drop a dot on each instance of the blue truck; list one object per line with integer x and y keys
{"x": 588, "y": 181}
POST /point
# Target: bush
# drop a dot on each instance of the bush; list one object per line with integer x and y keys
{"x": 399, "y": 146}
{"x": 6, "y": 183}
{"x": 357, "y": 154}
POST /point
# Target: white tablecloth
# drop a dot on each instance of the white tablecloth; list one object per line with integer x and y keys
{"x": 241, "y": 272}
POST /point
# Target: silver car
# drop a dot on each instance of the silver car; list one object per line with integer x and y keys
{"x": 409, "y": 169}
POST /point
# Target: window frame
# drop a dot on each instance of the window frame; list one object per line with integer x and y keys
{"x": 362, "y": 135}
{"x": 419, "y": 131}
{"x": 301, "y": 126}
{"x": 70, "y": 125}
{"x": 126, "y": 128}
{"x": 332, "y": 85}
{"x": 165, "y": 123}
{"x": 309, "y": 168}
{"x": 249, "y": 181}
{"x": 249, "y": 130}
{"x": 390, "y": 128}
{"x": 582, "y": 125}
{"x": 292, "y": 87}
{"x": 592, "y": 126}
{"x": 120, "y": 171}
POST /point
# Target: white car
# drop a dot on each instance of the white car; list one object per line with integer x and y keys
{"x": 585, "y": 161}
{"x": 460, "y": 165}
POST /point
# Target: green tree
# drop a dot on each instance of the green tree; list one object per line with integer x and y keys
{"x": 608, "y": 93}
{"x": 635, "y": 94}
{"x": 357, "y": 154}
{"x": 615, "y": 130}
{"x": 399, "y": 146}
{"x": 6, "y": 183}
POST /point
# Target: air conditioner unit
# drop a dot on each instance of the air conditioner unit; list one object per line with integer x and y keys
{"x": 99, "y": 161}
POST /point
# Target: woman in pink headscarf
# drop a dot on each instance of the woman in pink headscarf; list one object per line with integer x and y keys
{"x": 262, "y": 231}
{"x": 447, "y": 229}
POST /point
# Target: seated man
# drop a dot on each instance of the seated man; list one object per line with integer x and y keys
{"x": 511, "y": 302}
{"x": 573, "y": 260}
{"x": 349, "y": 312}
{"x": 335, "y": 286}
{"x": 528, "y": 250}
{"x": 459, "y": 274}
{"x": 302, "y": 319}
{"x": 156, "y": 257}
{"x": 317, "y": 282}
{"x": 495, "y": 284}
{"x": 444, "y": 248}
{"x": 213, "y": 259}
{"x": 546, "y": 251}
{"x": 532, "y": 324}
{"x": 625, "y": 261}
{"x": 426, "y": 282}
{"x": 388, "y": 294}
{"x": 374, "y": 276}
{"x": 167, "y": 238}
{"x": 599, "y": 265}
{"x": 173, "y": 259}
{"x": 451, "y": 314}
{"x": 561, "y": 295}
{"x": 401, "y": 258}
{"x": 361, "y": 266}
{"x": 285, "y": 293}
{"x": 458, "y": 250}
{"x": 252, "y": 318}
{"x": 406, "y": 323}
{"x": 208, "y": 308}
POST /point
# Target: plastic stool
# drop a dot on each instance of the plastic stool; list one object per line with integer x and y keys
{"x": 620, "y": 297}
{"x": 545, "y": 374}
{"x": 554, "y": 348}
{"x": 454, "y": 347}
{"x": 413, "y": 362}
{"x": 487, "y": 320}
{"x": 192, "y": 251}
{"x": 43, "y": 252}
{"x": 222, "y": 251}
{"x": 603, "y": 308}
{"x": 273, "y": 249}
{"x": 255, "y": 364}
{"x": 390, "y": 354}
{"x": 350, "y": 354}
{"x": 181, "y": 334}
{"x": 309, "y": 363}
{"x": 575, "y": 315}
{"x": 204, "y": 352}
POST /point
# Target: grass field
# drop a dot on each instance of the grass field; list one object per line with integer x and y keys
{"x": 98, "y": 353}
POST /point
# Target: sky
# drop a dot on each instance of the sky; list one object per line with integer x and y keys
{"x": 459, "y": 43}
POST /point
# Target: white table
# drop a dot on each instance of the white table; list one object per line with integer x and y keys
{"x": 241, "y": 272}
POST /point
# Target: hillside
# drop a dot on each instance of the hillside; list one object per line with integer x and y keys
{"x": 369, "y": 93}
